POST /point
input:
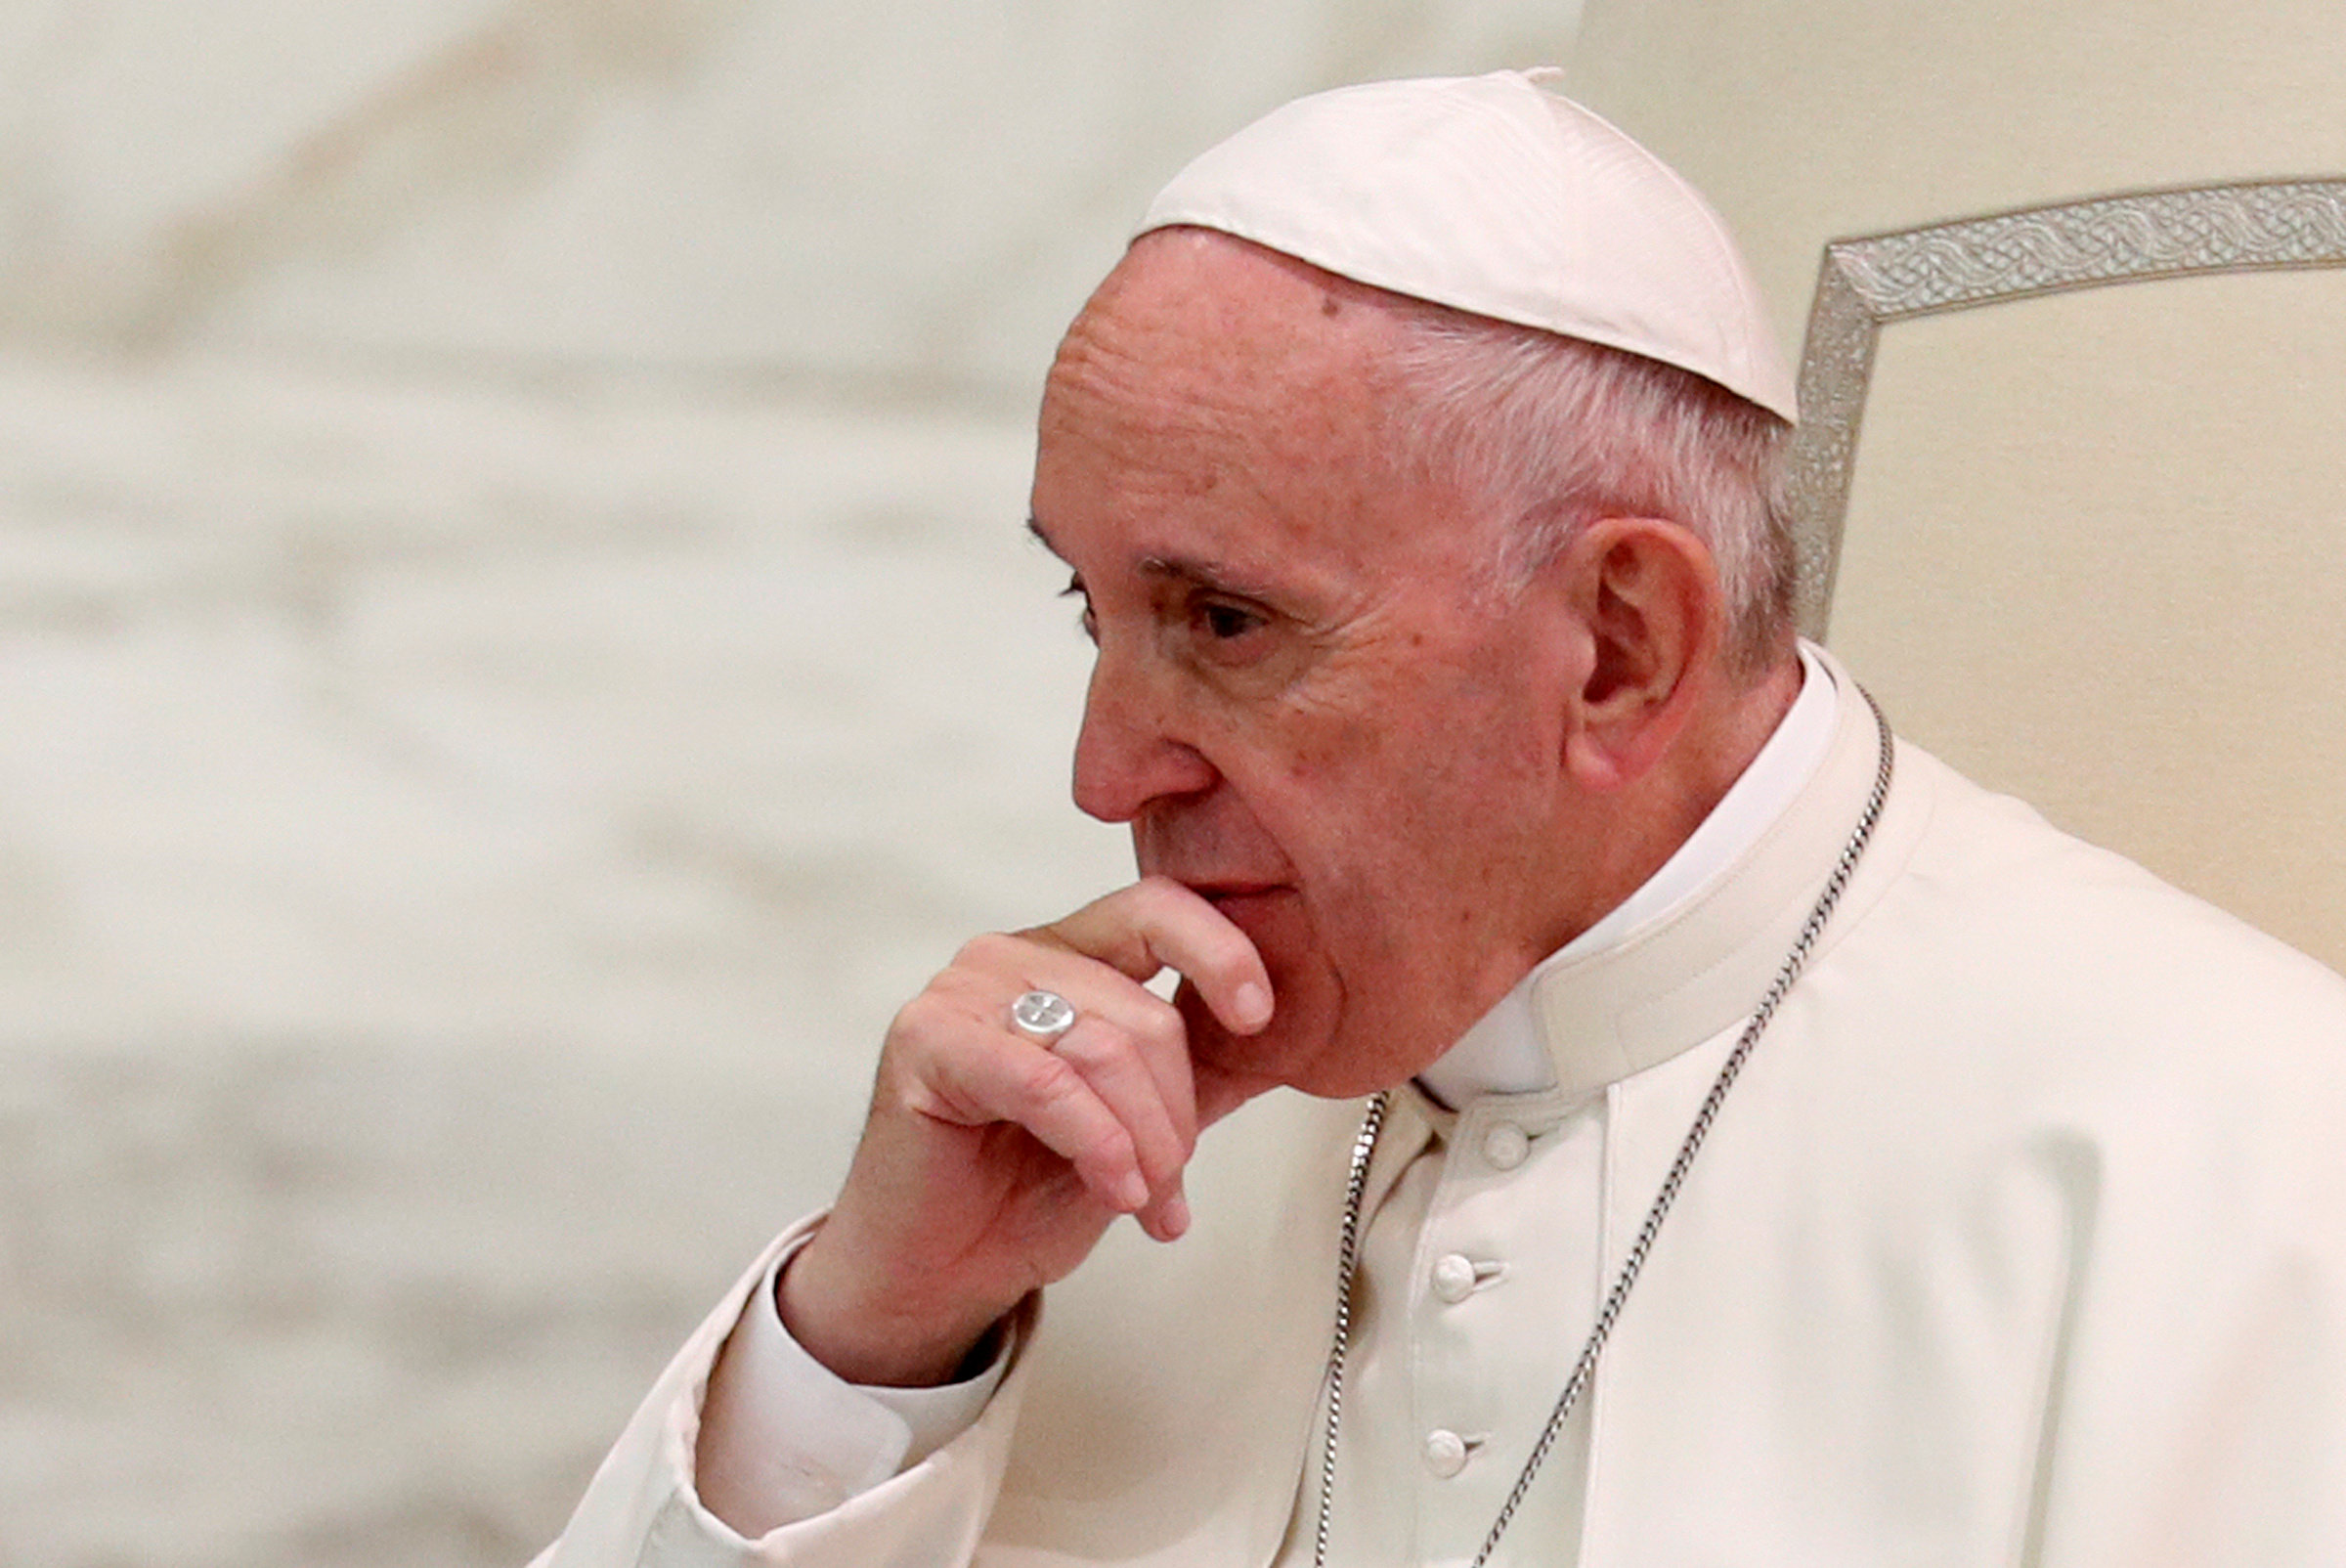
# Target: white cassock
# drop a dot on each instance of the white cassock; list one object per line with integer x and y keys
{"x": 2022, "y": 1239}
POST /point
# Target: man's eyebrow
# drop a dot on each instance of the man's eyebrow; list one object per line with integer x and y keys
{"x": 1212, "y": 576}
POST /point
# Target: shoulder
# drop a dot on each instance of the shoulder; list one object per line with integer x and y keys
{"x": 2017, "y": 1034}
{"x": 2004, "y": 984}
{"x": 2044, "y": 923}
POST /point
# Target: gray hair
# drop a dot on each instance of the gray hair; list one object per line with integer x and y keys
{"x": 1550, "y": 433}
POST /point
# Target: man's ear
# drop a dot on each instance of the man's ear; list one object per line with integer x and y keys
{"x": 1647, "y": 596}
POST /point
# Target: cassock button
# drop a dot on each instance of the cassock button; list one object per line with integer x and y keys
{"x": 1445, "y": 1452}
{"x": 1505, "y": 1145}
{"x": 1453, "y": 1278}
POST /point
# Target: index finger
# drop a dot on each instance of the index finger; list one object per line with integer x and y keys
{"x": 1157, "y": 924}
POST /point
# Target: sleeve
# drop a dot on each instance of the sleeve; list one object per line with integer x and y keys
{"x": 644, "y": 1508}
{"x": 784, "y": 1438}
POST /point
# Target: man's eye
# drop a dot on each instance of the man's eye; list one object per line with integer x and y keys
{"x": 1227, "y": 622}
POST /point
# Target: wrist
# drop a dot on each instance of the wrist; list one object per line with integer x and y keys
{"x": 878, "y": 1338}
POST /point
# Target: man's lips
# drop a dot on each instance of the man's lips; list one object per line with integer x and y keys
{"x": 1232, "y": 892}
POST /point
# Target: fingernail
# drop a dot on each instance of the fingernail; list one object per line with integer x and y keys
{"x": 1177, "y": 1216}
{"x": 1252, "y": 1004}
{"x": 1132, "y": 1192}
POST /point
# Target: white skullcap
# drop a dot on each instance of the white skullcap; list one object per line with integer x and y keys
{"x": 1491, "y": 194}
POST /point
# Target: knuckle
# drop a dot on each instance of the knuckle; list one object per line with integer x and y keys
{"x": 1137, "y": 891}
{"x": 1158, "y": 1145}
{"x": 1089, "y": 1045}
{"x": 1161, "y": 1024}
{"x": 1050, "y": 1079}
{"x": 1166, "y": 1168}
{"x": 1226, "y": 948}
{"x": 1115, "y": 1149}
{"x": 1159, "y": 896}
{"x": 923, "y": 1017}
{"x": 990, "y": 950}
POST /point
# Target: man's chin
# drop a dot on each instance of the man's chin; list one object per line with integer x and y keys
{"x": 1298, "y": 1050}
{"x": 1244, "y": 1064}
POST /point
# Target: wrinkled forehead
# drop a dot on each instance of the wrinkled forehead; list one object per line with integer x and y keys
{"x": 1198, "y": 326}
{"x": 1217, "y": 398}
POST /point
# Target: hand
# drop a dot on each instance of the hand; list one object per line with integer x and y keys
{"x": 991, "y": 1162}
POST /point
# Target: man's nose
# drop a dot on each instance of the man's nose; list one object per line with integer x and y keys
{"x": 1131, "y": 750}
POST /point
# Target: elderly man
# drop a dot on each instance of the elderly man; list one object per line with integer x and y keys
{"x": 1774, "y": 1149}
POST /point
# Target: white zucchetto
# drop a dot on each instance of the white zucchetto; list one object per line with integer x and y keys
{"x": 1494, "y": 196}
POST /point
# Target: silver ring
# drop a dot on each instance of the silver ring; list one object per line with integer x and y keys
{"x": 1042, "y": 1015}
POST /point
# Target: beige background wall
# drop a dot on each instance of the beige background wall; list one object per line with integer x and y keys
{"x": 515, "y": 654}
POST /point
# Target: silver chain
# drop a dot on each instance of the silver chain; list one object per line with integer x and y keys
{"x": 1348, "y": 1252}
{"x": 1363, "y": 1147}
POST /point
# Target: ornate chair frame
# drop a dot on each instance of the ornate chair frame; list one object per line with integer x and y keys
{"x": 1863, "y": 284}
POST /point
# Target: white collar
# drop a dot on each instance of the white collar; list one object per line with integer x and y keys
{"x": 1503, "y": 1052}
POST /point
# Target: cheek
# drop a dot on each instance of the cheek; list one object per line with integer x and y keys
{"x": 1393, "y": 802}
{"x": 1335, "y": 764}
{"x": 1420, "y": 844}
{"x": 1350, "y": 797}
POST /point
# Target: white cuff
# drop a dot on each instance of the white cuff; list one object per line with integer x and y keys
{"x": 783, "y": 1438}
